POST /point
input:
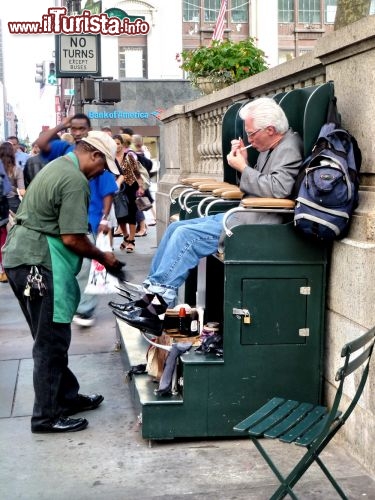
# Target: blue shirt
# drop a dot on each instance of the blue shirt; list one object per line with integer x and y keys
{"x": 21, "y": 158}
{"x": 100, "y": 187}
{"x": 58, "y": 148}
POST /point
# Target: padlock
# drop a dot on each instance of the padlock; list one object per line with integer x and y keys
{"x": 247, "y": 318}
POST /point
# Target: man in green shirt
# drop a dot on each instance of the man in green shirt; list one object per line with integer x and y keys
{"x": 41, "y": 256}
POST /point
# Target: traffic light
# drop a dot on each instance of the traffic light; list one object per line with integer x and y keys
{"x": 52, "y": 80}
{"x": 88, "y": 91}
{"x": 40, "y": 76}
{"x": 109, "y": 91}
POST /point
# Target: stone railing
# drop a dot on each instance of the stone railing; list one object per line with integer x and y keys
{"x": 191, "y": 144}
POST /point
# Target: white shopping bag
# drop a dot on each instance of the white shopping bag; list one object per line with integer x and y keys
{"x": 100, "y": 281}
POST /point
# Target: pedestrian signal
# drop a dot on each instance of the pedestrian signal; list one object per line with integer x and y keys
{"x": 52, "y": 80}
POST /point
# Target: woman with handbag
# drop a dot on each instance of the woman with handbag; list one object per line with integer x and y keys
{"x": 14, "y": 174}
{"x": 129, "y": 183}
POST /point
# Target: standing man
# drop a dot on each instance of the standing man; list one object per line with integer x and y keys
{"x": 21, "y": 156}
{"x": 42, "y": 255}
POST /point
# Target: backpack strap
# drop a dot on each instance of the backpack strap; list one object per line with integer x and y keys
{"x": 333, "y": 115}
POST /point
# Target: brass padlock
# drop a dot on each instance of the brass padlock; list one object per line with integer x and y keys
{"x": 247, "y": 318}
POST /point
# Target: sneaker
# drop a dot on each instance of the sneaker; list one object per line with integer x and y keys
{"x": 83, "y": 320}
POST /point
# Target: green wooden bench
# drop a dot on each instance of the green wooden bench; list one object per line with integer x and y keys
{"x": 307, "y": 425}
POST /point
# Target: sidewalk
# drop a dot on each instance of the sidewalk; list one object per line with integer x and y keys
{"x": 110, "y": 459}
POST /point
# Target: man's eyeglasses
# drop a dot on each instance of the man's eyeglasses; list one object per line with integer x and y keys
{"x": 251, "y": 135}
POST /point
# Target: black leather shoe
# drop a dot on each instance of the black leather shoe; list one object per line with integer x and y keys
{"x": 62, "y": 425}
{"x": 127, "y": 306}
{"x": 135, "y": 317}
{"x": 83, "y": 403}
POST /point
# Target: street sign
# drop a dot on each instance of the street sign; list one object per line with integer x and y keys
{"x": 77, "y": 56}
{"x": 68, "y": 91}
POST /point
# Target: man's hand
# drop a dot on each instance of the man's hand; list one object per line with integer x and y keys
{"x": 236, "y": 160}
{"x": 113, "y": 265}
{"x": 81, "y": 245}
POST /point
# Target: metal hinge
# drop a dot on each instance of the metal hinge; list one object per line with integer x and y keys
{"x": 240, "y": 312}
{"x": 304, "y": 332}
{"x": 305, "y": 290}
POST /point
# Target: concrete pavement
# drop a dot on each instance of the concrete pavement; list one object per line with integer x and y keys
{"x": 110, "y": 459}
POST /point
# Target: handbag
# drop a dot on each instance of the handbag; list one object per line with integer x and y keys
{"x": 143, "y": 203}
{"x": 100, "y": 282}
{"x": 121, "y": 203}
{"x": 144, "y": 175}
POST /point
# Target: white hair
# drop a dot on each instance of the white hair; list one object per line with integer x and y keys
{"x": 265, "y": 112}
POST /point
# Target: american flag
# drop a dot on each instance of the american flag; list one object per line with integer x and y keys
{"x": 219, "y": 28}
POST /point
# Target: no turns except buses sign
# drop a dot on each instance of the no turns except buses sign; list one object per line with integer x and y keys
{"x": 78, "y": 55}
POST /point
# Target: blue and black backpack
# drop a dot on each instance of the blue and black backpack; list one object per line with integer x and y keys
{"x": 329, "y": 183}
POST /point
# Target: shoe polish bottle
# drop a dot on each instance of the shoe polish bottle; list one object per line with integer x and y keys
{"x": 183, "y": 327}
{"x": 194, "y": 323}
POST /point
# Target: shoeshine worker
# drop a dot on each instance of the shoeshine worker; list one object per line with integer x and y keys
{"x": 42, "y": 255}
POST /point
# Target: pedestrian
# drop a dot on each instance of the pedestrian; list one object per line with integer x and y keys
{"x": 41, "y": 256}
{"x": 14, "y": 174}
{"x": 131, "y": 182}
{"x": 21, "y": 156}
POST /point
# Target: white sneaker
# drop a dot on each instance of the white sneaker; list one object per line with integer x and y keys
{"x": 83, "y": 320}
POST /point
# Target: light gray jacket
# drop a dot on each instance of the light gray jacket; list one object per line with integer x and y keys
{"x": 273, "y": 176}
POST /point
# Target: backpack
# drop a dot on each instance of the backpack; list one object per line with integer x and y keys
{"x": 329, "y": 183}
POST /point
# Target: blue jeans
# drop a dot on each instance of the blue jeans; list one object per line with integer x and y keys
{"x": 88, "y": 303}
{"x": 182, "y": 246}
{"x": 55, "y": 385}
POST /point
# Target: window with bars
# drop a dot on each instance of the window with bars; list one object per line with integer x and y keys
{"x": 132, "y": 62}
{"x": 286, "y": 11}
{"x": 191, "y": 10}
{"x": 211, "y": 10}
{"x": 309, "y": 11}
{"x": 239, "y": 11}
{"x": 330, "y": 7}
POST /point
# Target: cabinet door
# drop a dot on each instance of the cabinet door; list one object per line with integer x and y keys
{"x": 278, "y": 311}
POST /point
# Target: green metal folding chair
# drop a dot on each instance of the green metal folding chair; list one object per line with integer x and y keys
{"x": 308, "y": 425}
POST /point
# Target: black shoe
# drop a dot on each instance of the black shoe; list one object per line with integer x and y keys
{"x": 127, "y": 306}
{"x": 62, "y": 425}
{"x": 137, "y": 317}
{"x": 83, "y": 403}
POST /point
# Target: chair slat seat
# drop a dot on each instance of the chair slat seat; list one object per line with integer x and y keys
{"x": 274, "y": 418}
{"x": 257, "y": 416}
{"x": 316, "y": 413}
{"x": 314, "y": 431}
{"x": 287, "y": 423}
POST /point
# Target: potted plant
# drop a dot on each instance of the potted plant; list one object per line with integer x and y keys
{"x": 222, "y": 63}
